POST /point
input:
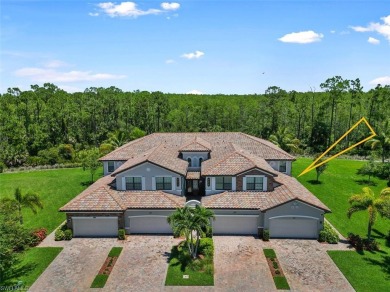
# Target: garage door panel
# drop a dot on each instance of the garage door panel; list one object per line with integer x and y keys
{"x": 235, "y": 224}
{"x": 293, "y": 228}
{"x": 95, "y": 227}
{"x": 150, "y": 224}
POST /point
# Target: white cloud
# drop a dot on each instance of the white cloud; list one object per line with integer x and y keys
{"x": 55, "y": 64}
{"x": 380, "y": 28}
{"x": 194, "y": 55}
{"x": 385, "y": 80}
{"x": 93, "y": 14}
{"x": 373, "y": 41}
{"x": 52, "y": 75}
{"x": 170, "y": 6}
{"x": 128, "y": 9}
{"x": 332, "y": 31}
{"x": 303, "y": 37}
{"x": 169, "y": 61}
{"x": 194, "y": 91}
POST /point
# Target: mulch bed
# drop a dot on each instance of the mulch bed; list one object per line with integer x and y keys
{"x": 108, "y": 266}
{"x": 272, "y": 269}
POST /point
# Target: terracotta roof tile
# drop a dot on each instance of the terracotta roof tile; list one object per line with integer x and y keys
{"x": 198, "y": 144}
{"x": 150, "y": 199}
{"x": 193, "y": 175}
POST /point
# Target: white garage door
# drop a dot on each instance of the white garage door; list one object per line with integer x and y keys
{"x": 232, "y": 224}
{"x": 293, "y": 227}
{"x": 149, "y": 224}
{"x": 95, "y": 226}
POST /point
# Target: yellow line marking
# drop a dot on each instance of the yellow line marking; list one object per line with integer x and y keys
{"x": 314, "y": 165}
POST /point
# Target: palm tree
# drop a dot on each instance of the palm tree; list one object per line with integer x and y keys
{"x": 381, "y": 142}
{"x": 285, "y": 140}
{"x": 190, "y": 221}
{"x": 367, "y": 201}
{"x": 29, "y": 200}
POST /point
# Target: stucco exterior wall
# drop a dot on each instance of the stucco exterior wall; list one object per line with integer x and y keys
{"x": 241, "y": 212}
{"x": 148, "y": 172}
{"x": 275, "y": 165}
{"x": 105, "y": 166}
{"x": 69, "y": 222}
{"x": 195, "y": 157}
{"x": 294, "y": 208}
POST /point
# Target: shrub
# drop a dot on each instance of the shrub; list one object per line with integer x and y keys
{"x": 59, "y": 235}
{"x": 277, "y": 272}
{"x": 63, "y": 227}
{"x": 388, "y": 238}
{"x": 275, "y": 264}
{"x": 359, "y": 243}
{"x": 328, "y": 234}
{"x": 2, "y": 166}
{"x": 371, "y": 245}
{"x": 68, "y": 234}
{"x": 121, "y": 234}
{"x": 266, "y": 235}
{"x": 37, "y": 236}
{"x": 382, "y": 170}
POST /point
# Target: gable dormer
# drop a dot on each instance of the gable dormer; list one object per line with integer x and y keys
{"x": 195, "y": 152}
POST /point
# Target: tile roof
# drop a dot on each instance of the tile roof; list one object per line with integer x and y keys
{"x": 193, "y": 175}
{"x": 103, "y": 198}
{"x": 290, "y": 190}
{"x": 198, "y": 144}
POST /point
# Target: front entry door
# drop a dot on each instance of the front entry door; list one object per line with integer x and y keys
{"x": 193, "y": 187}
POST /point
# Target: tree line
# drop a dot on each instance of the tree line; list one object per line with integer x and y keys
{"x": 49, "y": 125}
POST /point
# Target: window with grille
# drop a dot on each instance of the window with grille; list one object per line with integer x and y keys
{"x": 254, "y": 183}
{"x": 164, "y": 183}
{"x": 111, "y": 166}
{"x": 282, "y": 166}
{"x": 223, "y": 183}
{"x": 133, "y": 183}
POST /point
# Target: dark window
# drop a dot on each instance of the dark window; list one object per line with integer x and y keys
{"x": 223, "y": 183}
{"x": 133, "y": 183}
{"x": 111, "y": 166}
{"x": 200, "y": 161}
{"x": 189, "y": 162}
{"x": 254, "y": 183}
{"x": 178, "y": 182}
{"x": 282, "y": 166}
{"x": 163, "y": 183}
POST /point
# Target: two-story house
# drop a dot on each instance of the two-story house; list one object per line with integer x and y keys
{"x": 245, "y": 180}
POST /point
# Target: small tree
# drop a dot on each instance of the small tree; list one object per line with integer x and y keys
{"x": 368, "y": 169}
{"x": 190, "y": 221}
{"x": 367, "y": 201}
{"x": 320, "y": 169}
{"x": 92, "y": 161}
{"x": 29, "y": 200}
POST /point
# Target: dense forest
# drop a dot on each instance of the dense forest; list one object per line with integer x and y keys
{"x": 48, "y": 125}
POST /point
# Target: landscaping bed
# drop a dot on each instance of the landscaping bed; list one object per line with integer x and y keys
{"x": 102, "y": 277}
{"x": 185, "y": 271}
{"x": 276, "y": 270}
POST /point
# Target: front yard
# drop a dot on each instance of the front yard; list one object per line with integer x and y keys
{"x": 184, "y": 271}
{"x": 363, "y": 270}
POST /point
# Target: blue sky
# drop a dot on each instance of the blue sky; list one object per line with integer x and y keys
{"x": 231, "y": 47}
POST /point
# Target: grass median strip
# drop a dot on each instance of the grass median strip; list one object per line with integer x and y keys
{"x": 102, "y": 277}
{"x": 276, "y": 270}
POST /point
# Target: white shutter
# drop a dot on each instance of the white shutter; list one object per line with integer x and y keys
{"x": 153, "y": 183}
{"x": 143, "y": 183}
{"x": 173, "y": 183}
{"x": 233, "y": 183}
{"x": 213, "y": 183}
{"x": 123, "y": 183}
{"x": 265, "y": 183}
{"x": 244, "y": 183}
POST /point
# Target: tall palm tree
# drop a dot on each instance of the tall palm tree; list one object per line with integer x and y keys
{"x": 190, "y": 221}
{"x": 374, "y": 205}
{"x": 285, "y": 140}
{"x": 29, "y": 200}
{"x": 381, "y": 141}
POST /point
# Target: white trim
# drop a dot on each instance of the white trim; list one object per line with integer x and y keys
{"x": 123, "y": 183}
{"x": 294, "y": 216}
{"x": 153, "y": 183}
{"x": 217, "y": 215}
{"x": 140, "y": 216}
{"x": 264, "y": 181}
{"x": 142, "y": 182}
{"x": 258, "y": 169}
{"x": 244, "y": 183}
{"x": 95, "y": 217}
{"x": 213, "y": 183}
{"x": 234, "y": 187}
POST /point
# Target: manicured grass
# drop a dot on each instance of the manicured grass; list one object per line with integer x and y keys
{"x": 115, "y": 252}
{"x": 269, "y": 253}
{"x": 56, "y": 187}
{"x": 180, "y": 264}
{"x": 364, "y": 270}
{"x": 281, "y": 283}
{"x": 99, "y": 281}
{"x": 32, "y": 264}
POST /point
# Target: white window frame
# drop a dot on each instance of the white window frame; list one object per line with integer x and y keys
{"x": 232, "y": 187}
{"x": 173, "y": 183}
{"x": 108, "y": 166}
{"x": 282, "y": 161}
{"x": 137, "y": 176}
{"x": 264, "y": 182}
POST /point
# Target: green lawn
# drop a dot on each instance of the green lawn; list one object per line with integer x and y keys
{"x": 99, "y": 281}
{"x": 366, "y": 271}
{"x": 179, "y": 265}
{"x": 56, "y": 187}
{"x": 115, "y": 252}
{"x": 32, "y": 264}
